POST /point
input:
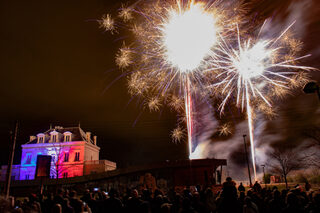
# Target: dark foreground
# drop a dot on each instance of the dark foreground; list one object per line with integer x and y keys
{"x": 229, "y": 199}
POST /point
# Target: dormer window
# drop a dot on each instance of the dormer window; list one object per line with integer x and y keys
{"x": 40, "y": 138}
{"x": 54, "y": 136}
{"x": 67, "y": 136}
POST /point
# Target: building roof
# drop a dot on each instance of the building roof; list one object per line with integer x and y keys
{"x": 77, "y": 135}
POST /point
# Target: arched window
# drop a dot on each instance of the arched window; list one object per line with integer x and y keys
{"x": 40, "y": 137}
{"x": 67, "y": 136}
{"x": 54, "y": 136}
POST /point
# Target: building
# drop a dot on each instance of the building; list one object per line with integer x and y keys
{"x": 71, "y": 152}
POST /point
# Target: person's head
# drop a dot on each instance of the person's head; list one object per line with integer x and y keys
{"x": 32, "y": 198}
{"x": 247, "y": 201}
{"x": 135, "y": 193}
{"x": 276, "y": 194}
{"x": 209, "y": 193}
{"x": 228, "y": 179}
{"x": 240, "y": 183}
{"x": 291, "y": 199}
{"x": 56, "y": 208}
{"x": 60, "y": 191}
{"x": 73, "y": 193}
{"x": 165, "y": 208}
{"x": 113, "y": 193}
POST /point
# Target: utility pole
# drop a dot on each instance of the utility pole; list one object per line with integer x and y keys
{"x": 9, "y": 168}
{"x": 245, "y": 150}
{"x": 264, "y": 176}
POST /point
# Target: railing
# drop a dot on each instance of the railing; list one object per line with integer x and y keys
{"x": 103, "y": 162}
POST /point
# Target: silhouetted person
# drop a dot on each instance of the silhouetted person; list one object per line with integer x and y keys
{"x": 75, "y": 202}
{"x": 293, "y": 204}
{"x": 275, "y": 205}
{"x": 134, "y": 202}
{"x": 241, "y": 188}
{"x": 249, "y": 206}
{"x": 307, "y": 186}
{"x": 228, "y": 202}
{"x": 257, "y": 187}
{"x": 113, "y": 203}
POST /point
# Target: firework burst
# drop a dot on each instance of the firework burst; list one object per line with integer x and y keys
{"x": 177, "y": 134}
{"x": 257, "y": 69}
{"x": 107, "y": 23}
{"x": 172, "y": 41}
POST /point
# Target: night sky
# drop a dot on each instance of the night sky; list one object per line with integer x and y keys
{"x": 57, "y": 68}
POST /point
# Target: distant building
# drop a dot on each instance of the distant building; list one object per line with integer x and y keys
{"x": 73, "y": 153}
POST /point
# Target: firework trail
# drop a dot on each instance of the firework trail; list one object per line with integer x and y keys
{"x": 257, "y": 71}
{"x": 172, "y": 42}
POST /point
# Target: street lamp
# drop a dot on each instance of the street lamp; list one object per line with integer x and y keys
{"x": 245, "y": 150}
{"x": 264, "y": 176}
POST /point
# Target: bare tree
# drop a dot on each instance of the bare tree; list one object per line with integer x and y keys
{"x": 57, "y": 151}
{"x": 285, "y": 161}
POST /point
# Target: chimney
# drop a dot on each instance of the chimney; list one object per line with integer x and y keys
{"x": 88, "y": 136}
{"x": 95, "y": 140}
{"x": 32, "y": 137}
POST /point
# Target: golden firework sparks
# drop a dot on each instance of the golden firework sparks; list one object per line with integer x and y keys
{"x": 107, "y": 23}
{"x": 124, "y": 57}
{"x": 125, "y": 13}
{"x": 154, "y": 104}
{"x": 224, "y": 130}
{"x": 177, "y": 134}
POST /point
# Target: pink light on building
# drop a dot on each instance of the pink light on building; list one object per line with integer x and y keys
{"x": 72, "y": 152}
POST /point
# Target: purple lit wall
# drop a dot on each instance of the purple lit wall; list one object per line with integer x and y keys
{"x": 67, "y": 159}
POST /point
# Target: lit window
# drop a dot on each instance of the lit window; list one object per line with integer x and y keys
{"x": 66, "y": 157}
{"x": 77, "y": 156}
{"x": 67, "y": 136}
{"x": 54, "y": 136}
{"x": 40, "y": 138}
{"x": 28, "y": 161}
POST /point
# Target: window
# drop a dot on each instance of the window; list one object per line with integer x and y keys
{"x": 27, "y": 177}
{"x": 54, "y": 138}
{"x": 67, "y": 136}
{"x": 40, "y": 137}
{"x": 77, "y": 156}
{"x": 66, "y": 157}
{"x": 28, "y": 161}
{"x": 65, "y": 174}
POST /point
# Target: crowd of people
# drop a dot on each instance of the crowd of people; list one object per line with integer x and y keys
{"x": 230, "y": 199}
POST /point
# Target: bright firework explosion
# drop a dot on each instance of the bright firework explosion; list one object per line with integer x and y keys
{"x": 173, "y": 40}
{"x": 255, "y": 72}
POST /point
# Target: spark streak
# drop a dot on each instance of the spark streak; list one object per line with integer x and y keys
{"x": 252, "y": 69}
